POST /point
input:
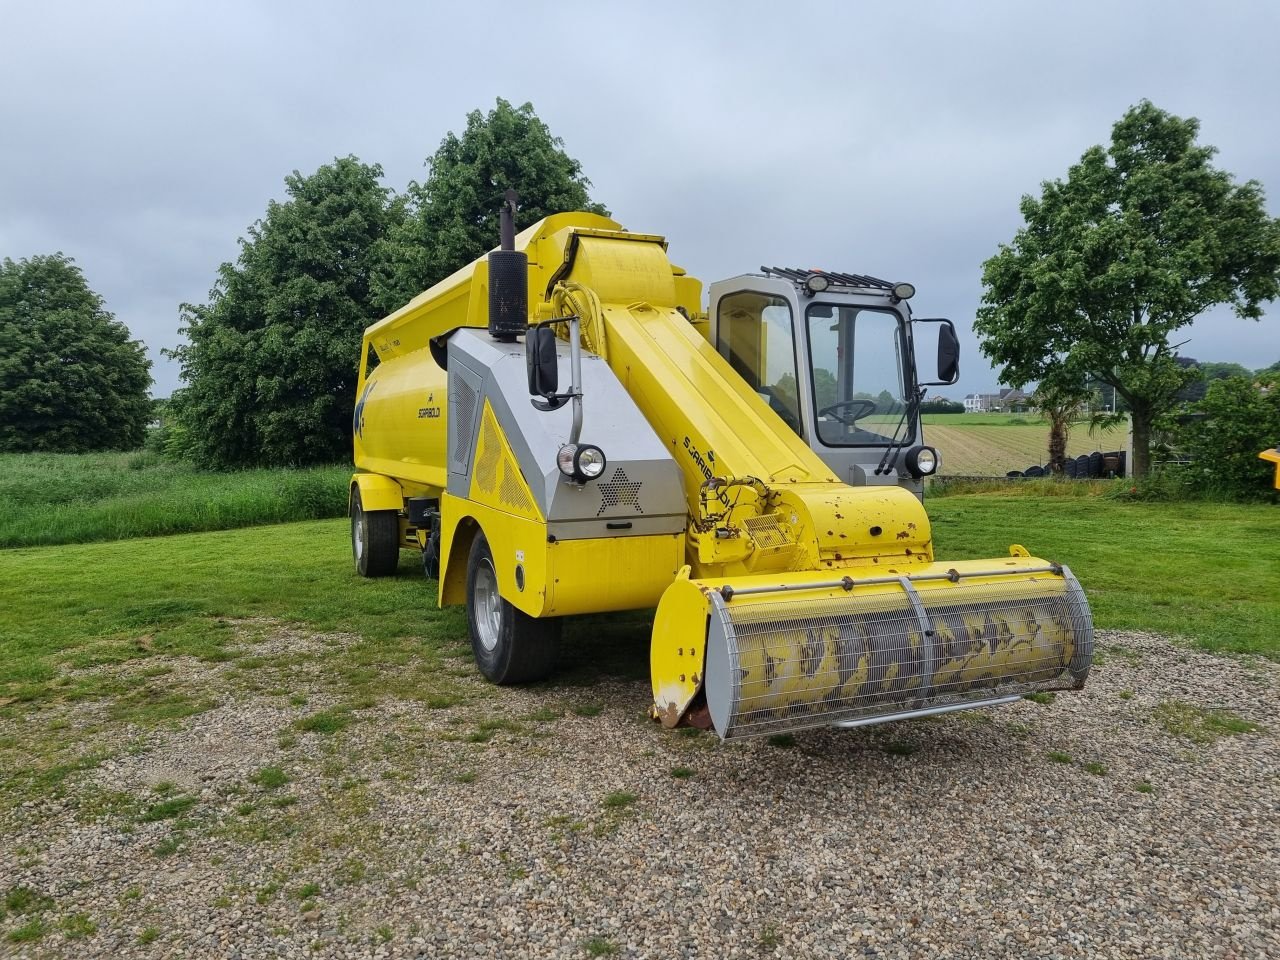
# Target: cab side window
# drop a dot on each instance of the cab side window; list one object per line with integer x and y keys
{"x": 754, "y": 333}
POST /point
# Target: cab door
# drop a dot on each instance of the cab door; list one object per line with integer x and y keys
{"x": 753, "y": 324}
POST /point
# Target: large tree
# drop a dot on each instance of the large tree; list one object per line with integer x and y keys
{"x": 453, "y": 215}
{"x": 1141, "y": 238}
{"x": 270, "y": 367}
{"x": 71, "y": 377}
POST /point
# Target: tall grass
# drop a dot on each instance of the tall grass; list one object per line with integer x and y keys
{"x": 79, "y": 498}
{"x": 1025, "y": 487}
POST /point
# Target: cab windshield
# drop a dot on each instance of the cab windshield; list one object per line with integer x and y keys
{"x": 859, "y": 382}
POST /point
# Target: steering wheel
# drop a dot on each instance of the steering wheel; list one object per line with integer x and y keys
{"x": 862, "y": 406}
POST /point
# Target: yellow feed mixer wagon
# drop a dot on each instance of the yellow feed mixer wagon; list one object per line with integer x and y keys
{"x": 561, "y": 429}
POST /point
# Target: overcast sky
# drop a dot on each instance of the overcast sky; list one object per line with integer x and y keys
{"x": 143, "y": 139}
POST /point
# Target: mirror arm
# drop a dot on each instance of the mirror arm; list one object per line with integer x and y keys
{"x": 555, "y": 401}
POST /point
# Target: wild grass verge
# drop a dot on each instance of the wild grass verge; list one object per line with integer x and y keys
{"x": 81, "y": 498}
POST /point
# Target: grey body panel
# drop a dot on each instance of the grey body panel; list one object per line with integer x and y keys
{"x": 641, "y": 485}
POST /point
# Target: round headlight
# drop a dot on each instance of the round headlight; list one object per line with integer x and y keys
{"x": 816, "y": 283}
{"x": 904, "y": 291}
{"x": 922, "y": 461}
{"x": 564, "y": 459}
{"x": 589, "y": 462}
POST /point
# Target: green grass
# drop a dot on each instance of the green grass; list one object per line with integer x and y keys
{"x": 87, "y": 605}
{"x": 326, "y": 721}
{"x": 984, "y": 419}
{"x": 600, "y": 947}
{"x": 32, "y": 930}
{"x": 78, "y": 925}
{"x": 270, "y": 778}
{"x": 1199, "y": 570}
{"x": 1197, "y": 724}
{"x": 619, "y": 800}
{"x": 167, "y": 809}
{"x": 54, "y": 498}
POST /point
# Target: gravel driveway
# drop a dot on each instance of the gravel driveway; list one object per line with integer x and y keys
{"x": 1124, "y": 821}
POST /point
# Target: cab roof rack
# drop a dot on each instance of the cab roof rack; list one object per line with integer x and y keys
{"x": 837, "y": 279}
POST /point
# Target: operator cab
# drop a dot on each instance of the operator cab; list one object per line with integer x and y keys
{"x": 833, "y": 355}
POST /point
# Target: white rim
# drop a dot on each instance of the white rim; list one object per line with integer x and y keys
{"x": 357, "y": 534}
{"x": 487, "y": 605}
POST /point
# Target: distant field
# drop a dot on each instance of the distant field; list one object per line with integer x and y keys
{"x": 78, "y": 498}
{"x": 992, "y": 444}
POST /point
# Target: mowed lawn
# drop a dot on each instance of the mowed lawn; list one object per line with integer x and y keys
{"x": 1208, "y": 572}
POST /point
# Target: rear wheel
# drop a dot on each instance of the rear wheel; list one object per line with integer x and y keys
{"x": 375, "y": 539}
{"x": 509, "y": 645}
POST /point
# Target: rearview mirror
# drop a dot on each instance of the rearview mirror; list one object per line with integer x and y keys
{"x": 948, "y": 349}
{"x": 540, "y": 361}
{"x": 948, "y": 353}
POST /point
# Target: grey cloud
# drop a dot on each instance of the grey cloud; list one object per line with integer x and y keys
{"x": 143, "y": 139}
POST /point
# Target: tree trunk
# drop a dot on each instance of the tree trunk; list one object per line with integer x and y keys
{"x": 1059, "y": 426}
{"x": 1141, "y": 426}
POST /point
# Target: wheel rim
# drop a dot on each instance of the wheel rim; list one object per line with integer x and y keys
{"x": 487, "y": 605}
{"x": 357, "y": 536}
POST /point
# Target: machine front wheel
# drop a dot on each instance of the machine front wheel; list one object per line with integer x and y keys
{"x": 509, "y": 645}
{"x": 375, "y": 539}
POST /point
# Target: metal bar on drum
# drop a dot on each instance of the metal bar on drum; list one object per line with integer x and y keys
{"x": 926, "y": 640}
{"x": 848, "y": 583}
{"x": 927, "y": 712}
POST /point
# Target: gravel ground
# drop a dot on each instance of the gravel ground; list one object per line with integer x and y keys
{"x": 510, "y": 825}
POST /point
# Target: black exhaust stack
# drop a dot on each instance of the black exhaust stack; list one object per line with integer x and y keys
{"x": 508, "y": 280}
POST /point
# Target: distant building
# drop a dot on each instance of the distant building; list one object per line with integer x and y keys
{"x": 1008, "y": 400}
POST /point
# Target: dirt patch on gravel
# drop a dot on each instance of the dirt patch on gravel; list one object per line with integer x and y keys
{"x": 1140, "y": 818}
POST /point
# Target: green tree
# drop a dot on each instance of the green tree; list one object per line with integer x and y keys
{"x": 1141, "y": 238}
{"x": 270, "y": 366}
{"x": 1239, "y": 418}
{"x": 941, "y": 405}
{"x": 1210, "y": 370}
{"x": 453, "y": 215}
{"x": 71, "y": 377}
{"x": 1060, "y": 402}
{"x": 824, "y": 387}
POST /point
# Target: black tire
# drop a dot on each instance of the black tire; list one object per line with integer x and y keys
{"x": 431, "y": 555}
{"x": 375, "y": 539}
{"x": 509, "y": 645}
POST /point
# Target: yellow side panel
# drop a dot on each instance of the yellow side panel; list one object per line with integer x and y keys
{"x": 377, "y": 492}
{"x": 401, "y": 420}
{"x": 546, "y": 579}
{"x": 515, "y": 542}
{"x": 496, "y": 480}
{"x": 622, "y": 573}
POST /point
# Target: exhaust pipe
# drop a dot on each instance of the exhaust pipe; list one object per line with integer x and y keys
{"x": 508, "y": 279}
